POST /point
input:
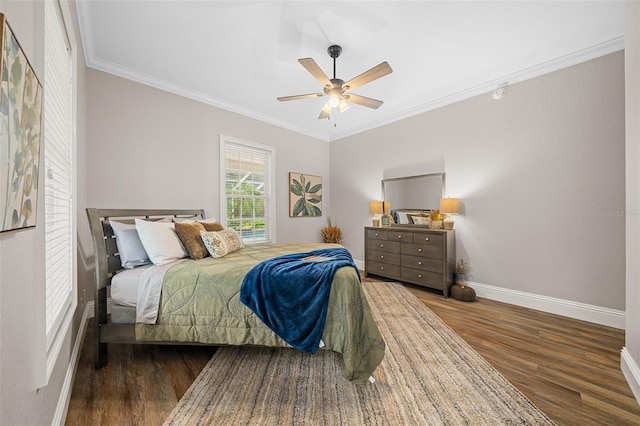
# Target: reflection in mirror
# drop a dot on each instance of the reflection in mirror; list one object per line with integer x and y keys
{"x": 421, "y": 192}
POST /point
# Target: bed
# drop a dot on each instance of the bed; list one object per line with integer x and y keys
{"x": 198, "y": 300}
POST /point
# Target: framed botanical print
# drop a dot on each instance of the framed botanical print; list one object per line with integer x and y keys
{"x": 20, "y": 134}
{"x": 305, "y": 195}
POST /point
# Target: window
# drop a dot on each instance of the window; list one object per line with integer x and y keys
{"x": 58, "y": 181}
{"x": 247, "y": 192}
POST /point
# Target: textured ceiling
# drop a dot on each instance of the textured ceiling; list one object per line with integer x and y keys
{"x": 241, "y": 55}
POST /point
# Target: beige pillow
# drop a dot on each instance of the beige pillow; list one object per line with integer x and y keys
{"x": 220, "y": 244}
{"x": 212, "y": 226}
{"x": 189, "y": 234}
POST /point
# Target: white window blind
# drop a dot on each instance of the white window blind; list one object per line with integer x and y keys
{"x": 248, "y": 194}
{"x": 58, "y": 171}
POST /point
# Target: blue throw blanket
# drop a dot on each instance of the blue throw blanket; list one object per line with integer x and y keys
{"x": 290, "y": 293}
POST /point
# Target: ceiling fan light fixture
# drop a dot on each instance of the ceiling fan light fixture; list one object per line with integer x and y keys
{"x": 334, "y": 101}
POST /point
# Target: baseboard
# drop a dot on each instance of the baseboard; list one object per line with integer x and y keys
{"x": 631, "y": 372}
{"x": 60, "y": 415}
{"x": 582, "y": 311}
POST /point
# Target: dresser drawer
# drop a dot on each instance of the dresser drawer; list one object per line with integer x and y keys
{"x": 403, "y": 237}
{"x": 425, "y": 278}
{"x": 383, "y": 269}
{"x": 428, "y": 239}
{"x": 383, "y": 245}
{"x": 383, "y": 257}
{"x": 421, "y": 263}
{"x": 422, "y": 250}
{"x": 377, "y": 234}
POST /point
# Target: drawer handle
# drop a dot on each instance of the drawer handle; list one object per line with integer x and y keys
{"x": 377, "y": 234}
{"x": 420, "y": 250}
{"x": 426, "y": 239}
{"x": 419, "y": 275}
{"x": 382, "y": 268}
{"x": 419, "y": 263}
{"x": 381, "y": 257}
{"x": 399, "y": 236}
{"x": 381, "y": 245}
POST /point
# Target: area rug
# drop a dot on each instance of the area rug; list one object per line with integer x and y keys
{"x": 429, "y": 376}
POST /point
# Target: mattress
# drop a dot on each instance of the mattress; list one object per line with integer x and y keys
{"x": 124, "y": 286}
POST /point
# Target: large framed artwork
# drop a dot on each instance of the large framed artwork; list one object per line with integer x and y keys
{"x": 305, "y": 195}
{"x": 20, "y": 134}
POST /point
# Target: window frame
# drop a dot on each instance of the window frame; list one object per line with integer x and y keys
{"x": 270, "y": 207}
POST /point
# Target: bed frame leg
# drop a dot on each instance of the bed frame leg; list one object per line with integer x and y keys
{"x": 99, "y": 319}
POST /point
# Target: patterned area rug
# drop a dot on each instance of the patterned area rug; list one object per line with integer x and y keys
{"x": 429, "y": 376}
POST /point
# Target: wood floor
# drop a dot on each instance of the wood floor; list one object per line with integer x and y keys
{"x": 570, "y": 369}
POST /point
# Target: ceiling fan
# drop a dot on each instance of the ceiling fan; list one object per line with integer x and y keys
{"x": 338, "y": 91}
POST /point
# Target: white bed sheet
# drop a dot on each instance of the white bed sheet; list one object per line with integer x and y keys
{"x": 124, "y": 286}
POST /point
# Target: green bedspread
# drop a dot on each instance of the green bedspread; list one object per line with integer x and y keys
{"x": 200, "y": 303}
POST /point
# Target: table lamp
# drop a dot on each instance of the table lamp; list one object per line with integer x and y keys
{"x": 449, "y": 206}
{"x": 377, "y": 208}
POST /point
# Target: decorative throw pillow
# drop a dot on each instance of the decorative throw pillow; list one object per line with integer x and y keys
{"x": 221, "y": 243}
{"x": 420, "y": 220}
{"x": 160, "y": 241}
{"x": 130, "y": 248}
{"x": 189, "y": 234}
{"x": 212, "y": 226}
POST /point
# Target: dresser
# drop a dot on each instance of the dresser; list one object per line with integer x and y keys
{"x": 411, "y": 254}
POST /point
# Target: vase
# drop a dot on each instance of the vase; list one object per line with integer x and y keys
{"x": 460, "y": 278}
{"x": 435, "y": 224}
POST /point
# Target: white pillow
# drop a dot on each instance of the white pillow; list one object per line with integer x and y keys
{"x": 130, "y": 248}
{"x": 160, "y": 241}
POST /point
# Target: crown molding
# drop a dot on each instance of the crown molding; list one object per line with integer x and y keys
{"x": 584, "y": 55}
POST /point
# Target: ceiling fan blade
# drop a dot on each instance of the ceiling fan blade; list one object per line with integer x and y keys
{"x": 374, "y": 73}
{"x": 296, "y": 97}
{"x": 325, "y": 112}
{"x": 343, "y": 105}
{"x": 363, "y": 100}
{"x": 315, "y": 71}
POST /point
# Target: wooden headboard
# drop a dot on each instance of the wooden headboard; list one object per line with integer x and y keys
{"x": 107, "y": 259}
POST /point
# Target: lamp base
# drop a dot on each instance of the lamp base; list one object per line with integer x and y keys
{"x": 448, "y": 222}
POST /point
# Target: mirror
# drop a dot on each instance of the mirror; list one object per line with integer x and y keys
{"x": 422, "y": 192}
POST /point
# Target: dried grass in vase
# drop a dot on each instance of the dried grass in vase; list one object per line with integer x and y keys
{"x": 331, "y": 233}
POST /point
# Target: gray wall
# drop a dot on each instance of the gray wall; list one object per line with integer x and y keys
{"x": 22, "y": 262}
{"x": 540, "y": 177}
{"x": 153, "y": 149}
